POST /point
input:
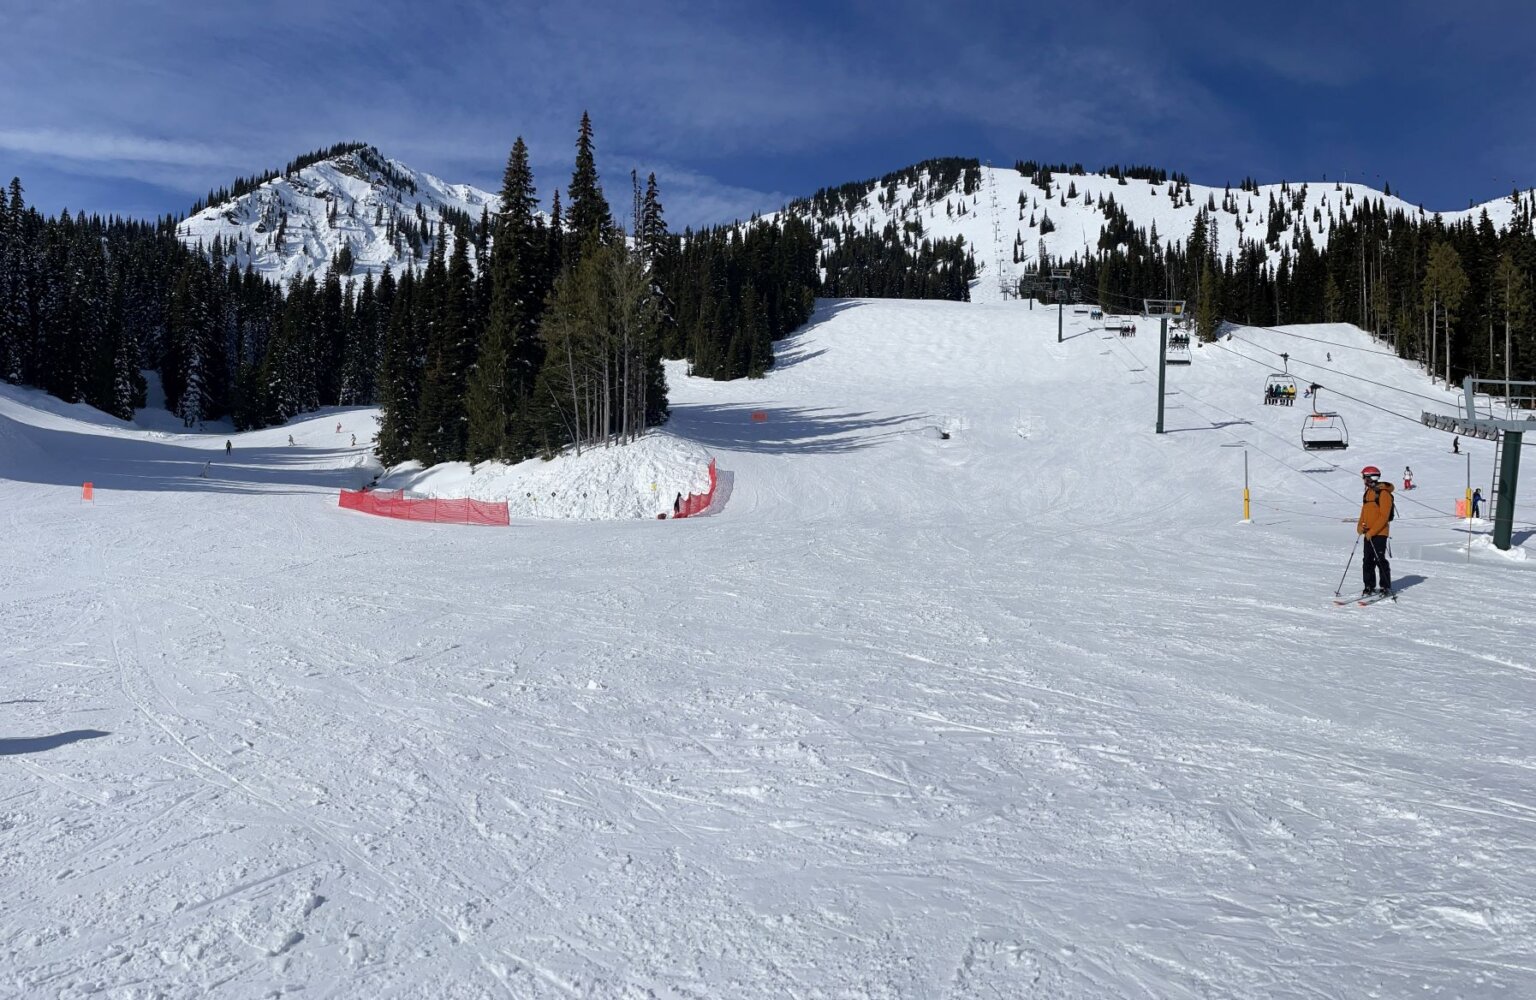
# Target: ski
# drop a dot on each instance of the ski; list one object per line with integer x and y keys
{"x": 1363, "y": 601}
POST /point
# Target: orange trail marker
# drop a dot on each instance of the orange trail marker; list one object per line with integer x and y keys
{"x": 86, "y": 493}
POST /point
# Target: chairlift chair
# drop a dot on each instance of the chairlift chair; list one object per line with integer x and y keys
{"x": 1323, "y": 430}
{"x": 1178, "y": 350}
{"x": 1279, "y": 387}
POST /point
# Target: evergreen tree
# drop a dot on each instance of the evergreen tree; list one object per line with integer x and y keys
{"x": 1512, "y": 294}
{"x": 187, "y": 329}
{"x": 286, "y": 383}
{"x": 360, "y": 354}
{"x": 10, "y": 333}
{"x": 400, "y": 374}
{"x": 1445, "y": 287}
{"x": 512, "y": 352}
{"x": 442, "y": 420}
{"x": 588, "y": 217}
{"x": 651, "y": 232}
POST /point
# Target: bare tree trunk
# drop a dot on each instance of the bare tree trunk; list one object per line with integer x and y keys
{"x": 570, "y": 363}
{"x": 607, "y": 400}
{"x": 642, "y": 388}
{"x": 625, "y": 400}
{"x": 1431, "y": 322}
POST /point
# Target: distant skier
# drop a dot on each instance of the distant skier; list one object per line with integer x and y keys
{"x": 354, "y": 440}
{"x": 1477, "y": 502}
{"x": 228, "y": 448}
{"x": 677, "y": 505}
{"x": 1330, "y": 355}
{"x": 1455, "y": 446}
{"x": 1407, "y": 478}
{"x": 1377, "y": 509}
{"x": 338, "y": 428}
{"x": 290, "y": 440}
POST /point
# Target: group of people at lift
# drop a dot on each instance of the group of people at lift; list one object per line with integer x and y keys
{"x": 1178, "y": 341}
{"x": 1281, "y": 395}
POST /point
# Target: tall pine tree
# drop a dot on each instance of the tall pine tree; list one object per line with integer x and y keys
{"x": 587, "y": 215}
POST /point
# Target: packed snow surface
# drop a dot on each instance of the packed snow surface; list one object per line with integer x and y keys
{"x": 1023, "y": 711}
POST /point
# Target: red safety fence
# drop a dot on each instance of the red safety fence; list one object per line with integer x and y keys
{"x": 393, "y": 503}
{"x": 697, "y": 503}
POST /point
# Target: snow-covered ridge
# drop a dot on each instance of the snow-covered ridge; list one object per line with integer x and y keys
{"x": 1008, "y": 218}
{"x": 380, "y": 211}
{"x": 384, "y": 213}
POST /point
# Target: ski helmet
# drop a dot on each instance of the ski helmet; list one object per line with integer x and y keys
{"x": 1370, "y": 471}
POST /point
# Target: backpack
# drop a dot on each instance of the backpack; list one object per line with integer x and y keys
{"x": 1391, "y": 500}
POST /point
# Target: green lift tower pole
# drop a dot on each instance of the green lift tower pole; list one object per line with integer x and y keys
{"x": 1060, "y": 309}
{"x": 1162, "y": 369}
{"x": 1509, "y": 472}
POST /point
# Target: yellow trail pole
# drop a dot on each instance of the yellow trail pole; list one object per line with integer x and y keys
{"x": 1247, "y": 516}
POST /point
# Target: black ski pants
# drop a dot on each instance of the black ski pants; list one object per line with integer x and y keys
{"x": 1376, "y": 557}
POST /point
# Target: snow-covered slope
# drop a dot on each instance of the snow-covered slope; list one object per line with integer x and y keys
{"x": 356, "y": 200}
{"x": 1005, "y": 215}
{"x": 1021, "y": 712}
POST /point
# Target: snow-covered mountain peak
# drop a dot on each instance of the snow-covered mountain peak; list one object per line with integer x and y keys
{"x": 356, "y": 211}
{"x": 1012, "y": 217}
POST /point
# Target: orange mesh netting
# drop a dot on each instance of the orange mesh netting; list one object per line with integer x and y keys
{"x": 696, "y": 503}
{"x": 393, "y": 503}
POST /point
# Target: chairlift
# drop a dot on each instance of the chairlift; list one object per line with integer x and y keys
{"x": 1323, "y": 430}
{"x": 1280, "y": 387}
{"x": 1178, "y": 350}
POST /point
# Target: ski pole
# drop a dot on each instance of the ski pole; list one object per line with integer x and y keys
{"x": 1340, "y": 588}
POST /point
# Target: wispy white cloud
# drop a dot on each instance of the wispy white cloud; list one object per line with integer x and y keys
{"x": 690, "y": 198}
{"x": 98, "y": 146}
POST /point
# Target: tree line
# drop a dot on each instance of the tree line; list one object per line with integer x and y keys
{"x": 1447, "y": 294}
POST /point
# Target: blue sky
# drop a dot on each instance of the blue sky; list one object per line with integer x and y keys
{"x": 137, "y": 107}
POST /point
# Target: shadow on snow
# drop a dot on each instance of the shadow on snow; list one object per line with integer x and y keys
{"x": 69, "y": 458}
{"x": 788, "y": 429}
{"x": 40, "y": 744}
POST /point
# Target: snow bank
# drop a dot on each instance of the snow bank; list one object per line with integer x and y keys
{"x": 614, "y": 483}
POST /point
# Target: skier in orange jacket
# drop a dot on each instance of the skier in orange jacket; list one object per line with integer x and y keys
{"x": 1377, "y": 508}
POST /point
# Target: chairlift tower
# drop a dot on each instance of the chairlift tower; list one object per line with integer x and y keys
{"x": 1004, "y": 277}
{"x": 1030, "y": 284}
{"x": 1507, "y": 436}
{"x": 1162, "y": 309}
{"x": 1061, "y": 279}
